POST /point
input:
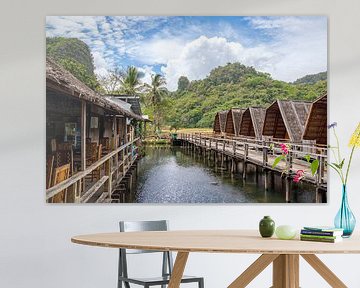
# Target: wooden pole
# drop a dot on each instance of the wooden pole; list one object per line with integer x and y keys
{"x": 115, "y": 146}
{"x": 246, "y": 152}
{"x": 82, "y": 149}
{"x": 115, "y": 132}
{"x": 265, "y": 156}
{"x": 83, "y": 135}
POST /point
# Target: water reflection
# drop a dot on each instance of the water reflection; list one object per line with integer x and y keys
{"x": 179, "y": 175}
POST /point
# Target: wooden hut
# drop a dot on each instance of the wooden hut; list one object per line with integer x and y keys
{"x": 316, "y": 124}
{"x": 82, "y": 128}
{"x": 252, "y": 122}
{"x": 220, "y": 121}
{"x": 286, "y": 119}
{"x": 233, "y": 121}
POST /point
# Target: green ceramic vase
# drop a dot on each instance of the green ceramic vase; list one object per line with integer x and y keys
{"x": 267, "y": 227}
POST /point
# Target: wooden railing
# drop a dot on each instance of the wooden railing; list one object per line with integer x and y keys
{"x": 114, "y": 170}
{"x": 264, "y": 152}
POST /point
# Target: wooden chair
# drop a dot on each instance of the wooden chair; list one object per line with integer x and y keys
{"x": 64, "y": 146}
{"x": 105, "y": 142}
{"x": 63, "y": 157}
{"x": 91, "y": 153}
{"x": 167, "y": 265}
{"x": 97, "y": 172}
{"x": 61, "y": 173}
{"x": 49, "y": 170}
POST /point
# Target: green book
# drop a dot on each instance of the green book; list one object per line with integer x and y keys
{"x": 325, "y": 240}
{"x": 319, "y": 236}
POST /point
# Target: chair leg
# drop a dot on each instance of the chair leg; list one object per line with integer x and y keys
{"x": 201, "y": 283}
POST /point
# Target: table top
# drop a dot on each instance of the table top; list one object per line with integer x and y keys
{"x": 216, "y": 241}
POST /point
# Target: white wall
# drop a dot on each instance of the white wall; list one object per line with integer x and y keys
{"x": 35, "y": 248}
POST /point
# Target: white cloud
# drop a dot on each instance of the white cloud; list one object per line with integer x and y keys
{"x": 200, "y": 56}
{"x": 101, "y": 67}
{"x": 148, "y": 71}
{"x": 156, "y": 50}
{"x": 300, "y": 45}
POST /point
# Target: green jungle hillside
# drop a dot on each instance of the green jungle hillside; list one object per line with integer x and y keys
{"x": 233, "y": 85}
{"x": 75, "y": 56}
{"x": 312, "y": 79}
{"x": 195, "y": 103}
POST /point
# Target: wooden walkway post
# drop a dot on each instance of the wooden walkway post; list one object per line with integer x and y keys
{"x": 290, "y": 159}
{"x": 246, "y": 151}
{"x": 265, "y": 156}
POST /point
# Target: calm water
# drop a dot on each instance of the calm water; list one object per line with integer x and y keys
{"x": 177, "y": 175}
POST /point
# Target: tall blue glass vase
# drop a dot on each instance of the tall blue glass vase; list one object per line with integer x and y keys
{"x": 345, "y": 219}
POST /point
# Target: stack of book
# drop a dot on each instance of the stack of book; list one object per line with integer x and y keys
{"x": 321, "y": 234}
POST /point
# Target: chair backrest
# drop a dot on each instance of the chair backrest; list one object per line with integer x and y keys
{"x": 99, "y": 152}
{"x": 61, "y": 173}
{"x": 137, "y": 226}
{"x": 49, "y": 170}
{"x": 91, "y": 151}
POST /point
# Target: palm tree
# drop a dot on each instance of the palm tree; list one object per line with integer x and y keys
{"x": 155, "y": 92}
{"x": 130, "y": 82}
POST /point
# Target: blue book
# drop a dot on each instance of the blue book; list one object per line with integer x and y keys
{"x": 322, "y": 231}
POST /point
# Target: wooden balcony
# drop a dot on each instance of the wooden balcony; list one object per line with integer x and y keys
{"x": 111, "y": 169}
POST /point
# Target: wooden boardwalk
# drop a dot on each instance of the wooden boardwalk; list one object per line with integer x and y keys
{"x": 113, "y": 167}
{"x": 263, "y": 153}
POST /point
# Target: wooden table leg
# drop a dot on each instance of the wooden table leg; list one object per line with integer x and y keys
{"x": 286, "y": 271}
{"x": 178, "y": 270}
{"x": 324, "y": 271}
{"x": 253, "y": 270}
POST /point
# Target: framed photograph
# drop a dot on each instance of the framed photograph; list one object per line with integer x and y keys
{"x": 186, "y": 109}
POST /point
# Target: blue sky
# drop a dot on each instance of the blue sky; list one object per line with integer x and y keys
{"x": 285, "y": 47}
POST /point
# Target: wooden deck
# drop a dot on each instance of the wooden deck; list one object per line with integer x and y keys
{"x": 264, "y": 153}
{"x": 114, "y": 167}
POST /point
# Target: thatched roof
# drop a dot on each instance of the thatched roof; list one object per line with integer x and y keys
{"x": 61, "y": 80}
{"x": 233, "y": 121}
{"x": 252, "y": 122}
{"x": 316, "y": 124}
{"x": 220, "y": 121}
{"x": 285, "y": 119}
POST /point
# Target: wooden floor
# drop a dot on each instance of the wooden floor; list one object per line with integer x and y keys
{"x": 260, "y": 155}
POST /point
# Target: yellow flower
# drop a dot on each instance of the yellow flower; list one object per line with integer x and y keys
{"x": 355, "y": 138}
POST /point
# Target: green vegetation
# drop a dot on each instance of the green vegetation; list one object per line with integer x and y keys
{"x": 154, "y": 96}
{"x": 232, "y": 85}
{"x": 75, "y": 56}
{"x": 312, "y": 79}
{"x": 130, "y": 82}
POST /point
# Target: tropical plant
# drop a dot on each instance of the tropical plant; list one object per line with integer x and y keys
{"x": 285, "y": 149}
{"x": 155, "y": 93}
{"x": 130, "y": 82}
